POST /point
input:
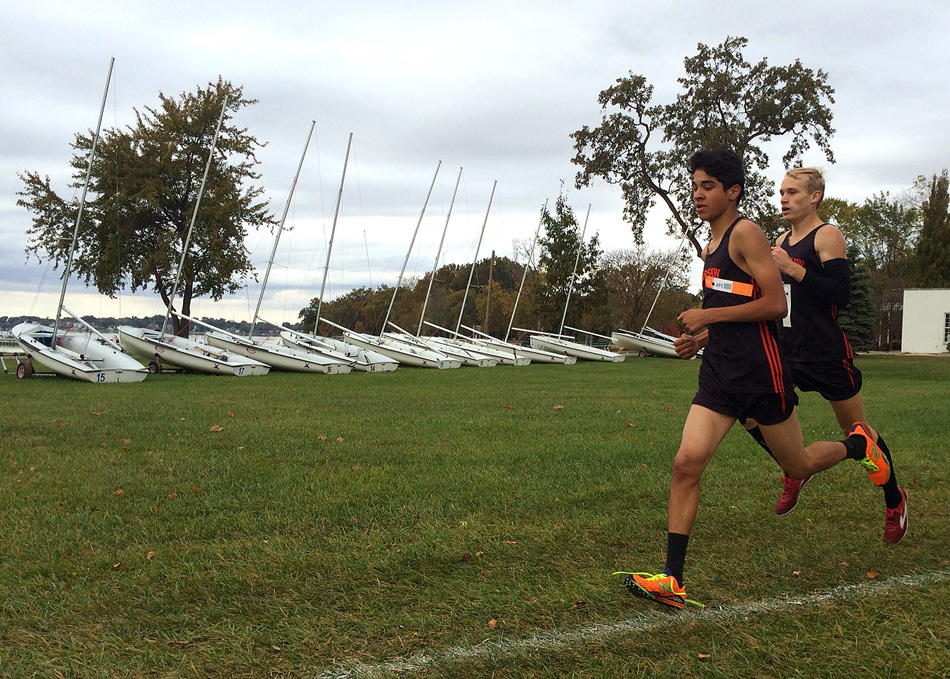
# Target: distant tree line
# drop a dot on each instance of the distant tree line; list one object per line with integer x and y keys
{"x": 567, "y": 280}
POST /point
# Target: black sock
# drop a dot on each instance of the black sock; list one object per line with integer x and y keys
{"x": 676, "y": 555}
{"x": 756, "y": 433}
{"x": 892, "y": 495}
{"x": 854, "y": 447}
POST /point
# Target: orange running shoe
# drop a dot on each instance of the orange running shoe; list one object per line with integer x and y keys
{"x": 895, "y": 520}
{"x": 662, "y": 588}
{"x": 791, "y": 489}
{"x": 874, "y": 461}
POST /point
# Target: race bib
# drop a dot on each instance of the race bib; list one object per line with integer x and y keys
{"x": 725, "y": 285}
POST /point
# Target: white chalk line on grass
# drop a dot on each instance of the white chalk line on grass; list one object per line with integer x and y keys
{"x": 605, "y": 632}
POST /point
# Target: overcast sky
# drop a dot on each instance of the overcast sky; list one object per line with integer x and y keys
{"x": 495, "y": 88}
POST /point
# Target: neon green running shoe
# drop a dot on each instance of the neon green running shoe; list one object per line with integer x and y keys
{"x": 661, "y": 587}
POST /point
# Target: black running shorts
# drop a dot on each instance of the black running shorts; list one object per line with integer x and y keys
{"x": 763, "y": 408}
{"x": 833, "y": 380}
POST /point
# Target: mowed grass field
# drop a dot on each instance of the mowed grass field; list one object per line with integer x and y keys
{"x": 460, "y": 523}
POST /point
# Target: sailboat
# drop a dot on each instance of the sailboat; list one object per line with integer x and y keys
{"x": 87, "y": 354}
{"x": 161, "y": 349}
{"x": 392, "y": 345}
{"x": 277, "y": 354}
{"x": 500, "y": 355}
{"x": 650, "y": 342}
{"x": 448, "y": 346}
{"x": 364, "y": 360}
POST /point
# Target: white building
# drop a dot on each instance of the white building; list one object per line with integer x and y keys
{"x": 926, "y": 326}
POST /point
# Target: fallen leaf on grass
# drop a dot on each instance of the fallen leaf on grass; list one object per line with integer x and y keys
{"x": 703, "y": 656}
{"x": 796, "y": 573}
{"x": 216, "y": 427}
{"x": 531, "y": 599}
{"x": 149, "y": 555}
{"x": 843, "y": 563}
{"x": 631, "y": 424}
{"x": 507, "y": 406}
{"x": 230, "y": 414}
{"x": 510, "y": 542}
{"x": 492, "y": 623}
{"x": 118, "y": 491}
{"x": 559, "y": 407}
{"x": 339, "y": 438}
{"x": 579, "y": 604}
{"x": 322, "y": 437}
{"x": 872, "y": 574}
{"x": 116, "y": 566}
{"x": 126, "y": 441}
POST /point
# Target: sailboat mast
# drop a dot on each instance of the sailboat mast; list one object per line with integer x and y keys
{"x": 409, "y": 251}
{"x": 194, "y": 215}
{"x": 82, "y": 203}
{"x": 527, "y": 265}
{"x": 280, "y": 229}
{"x": 475, "y": 261}
{"x": 336, "y": 213}
{"x": 435, "y": 266}
{"x": 659, "y": 290}
{"x": 570, "y": 285}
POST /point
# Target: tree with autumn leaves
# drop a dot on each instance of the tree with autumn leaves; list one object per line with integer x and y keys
{"x": 143, "y": 187}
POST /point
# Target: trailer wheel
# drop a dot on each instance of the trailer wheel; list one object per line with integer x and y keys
{"x": 643, "y": 353}
{"x": 24, "y": 370}
{"x": 154, "y": 367}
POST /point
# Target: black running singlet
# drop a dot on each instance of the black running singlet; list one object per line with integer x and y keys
{"x": 811, "y": 332}
{"x": 740, "y": 357}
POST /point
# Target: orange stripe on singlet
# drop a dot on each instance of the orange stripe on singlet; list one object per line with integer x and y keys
{"x": 774, "y": 359}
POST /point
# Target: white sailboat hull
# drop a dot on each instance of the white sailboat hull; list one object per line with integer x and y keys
{"x": 582, "y": 351}
{"x": 406, "y": 354}
{"x": 658, "y": 345}
{"x": 95, "y": 361}
{"x": 362, "y": 359}
{"x": 467, "y": 357}
{"x": 476, "y": 346}
{"x": 281, "y": 357}
{"x": 534, "y": 355}
{"x": 187, "y": 354}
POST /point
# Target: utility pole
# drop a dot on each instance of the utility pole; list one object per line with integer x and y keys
{"x": 491, "y": 268}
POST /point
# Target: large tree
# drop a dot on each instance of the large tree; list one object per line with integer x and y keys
{"x": 726, "y": 102}
{"x": 931, "y": 265}
{"x": 633, "y": 279}
{"x": 885, "y": 231}
{"x": 144, "y": 183}
{"x": 860, "y": 316}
